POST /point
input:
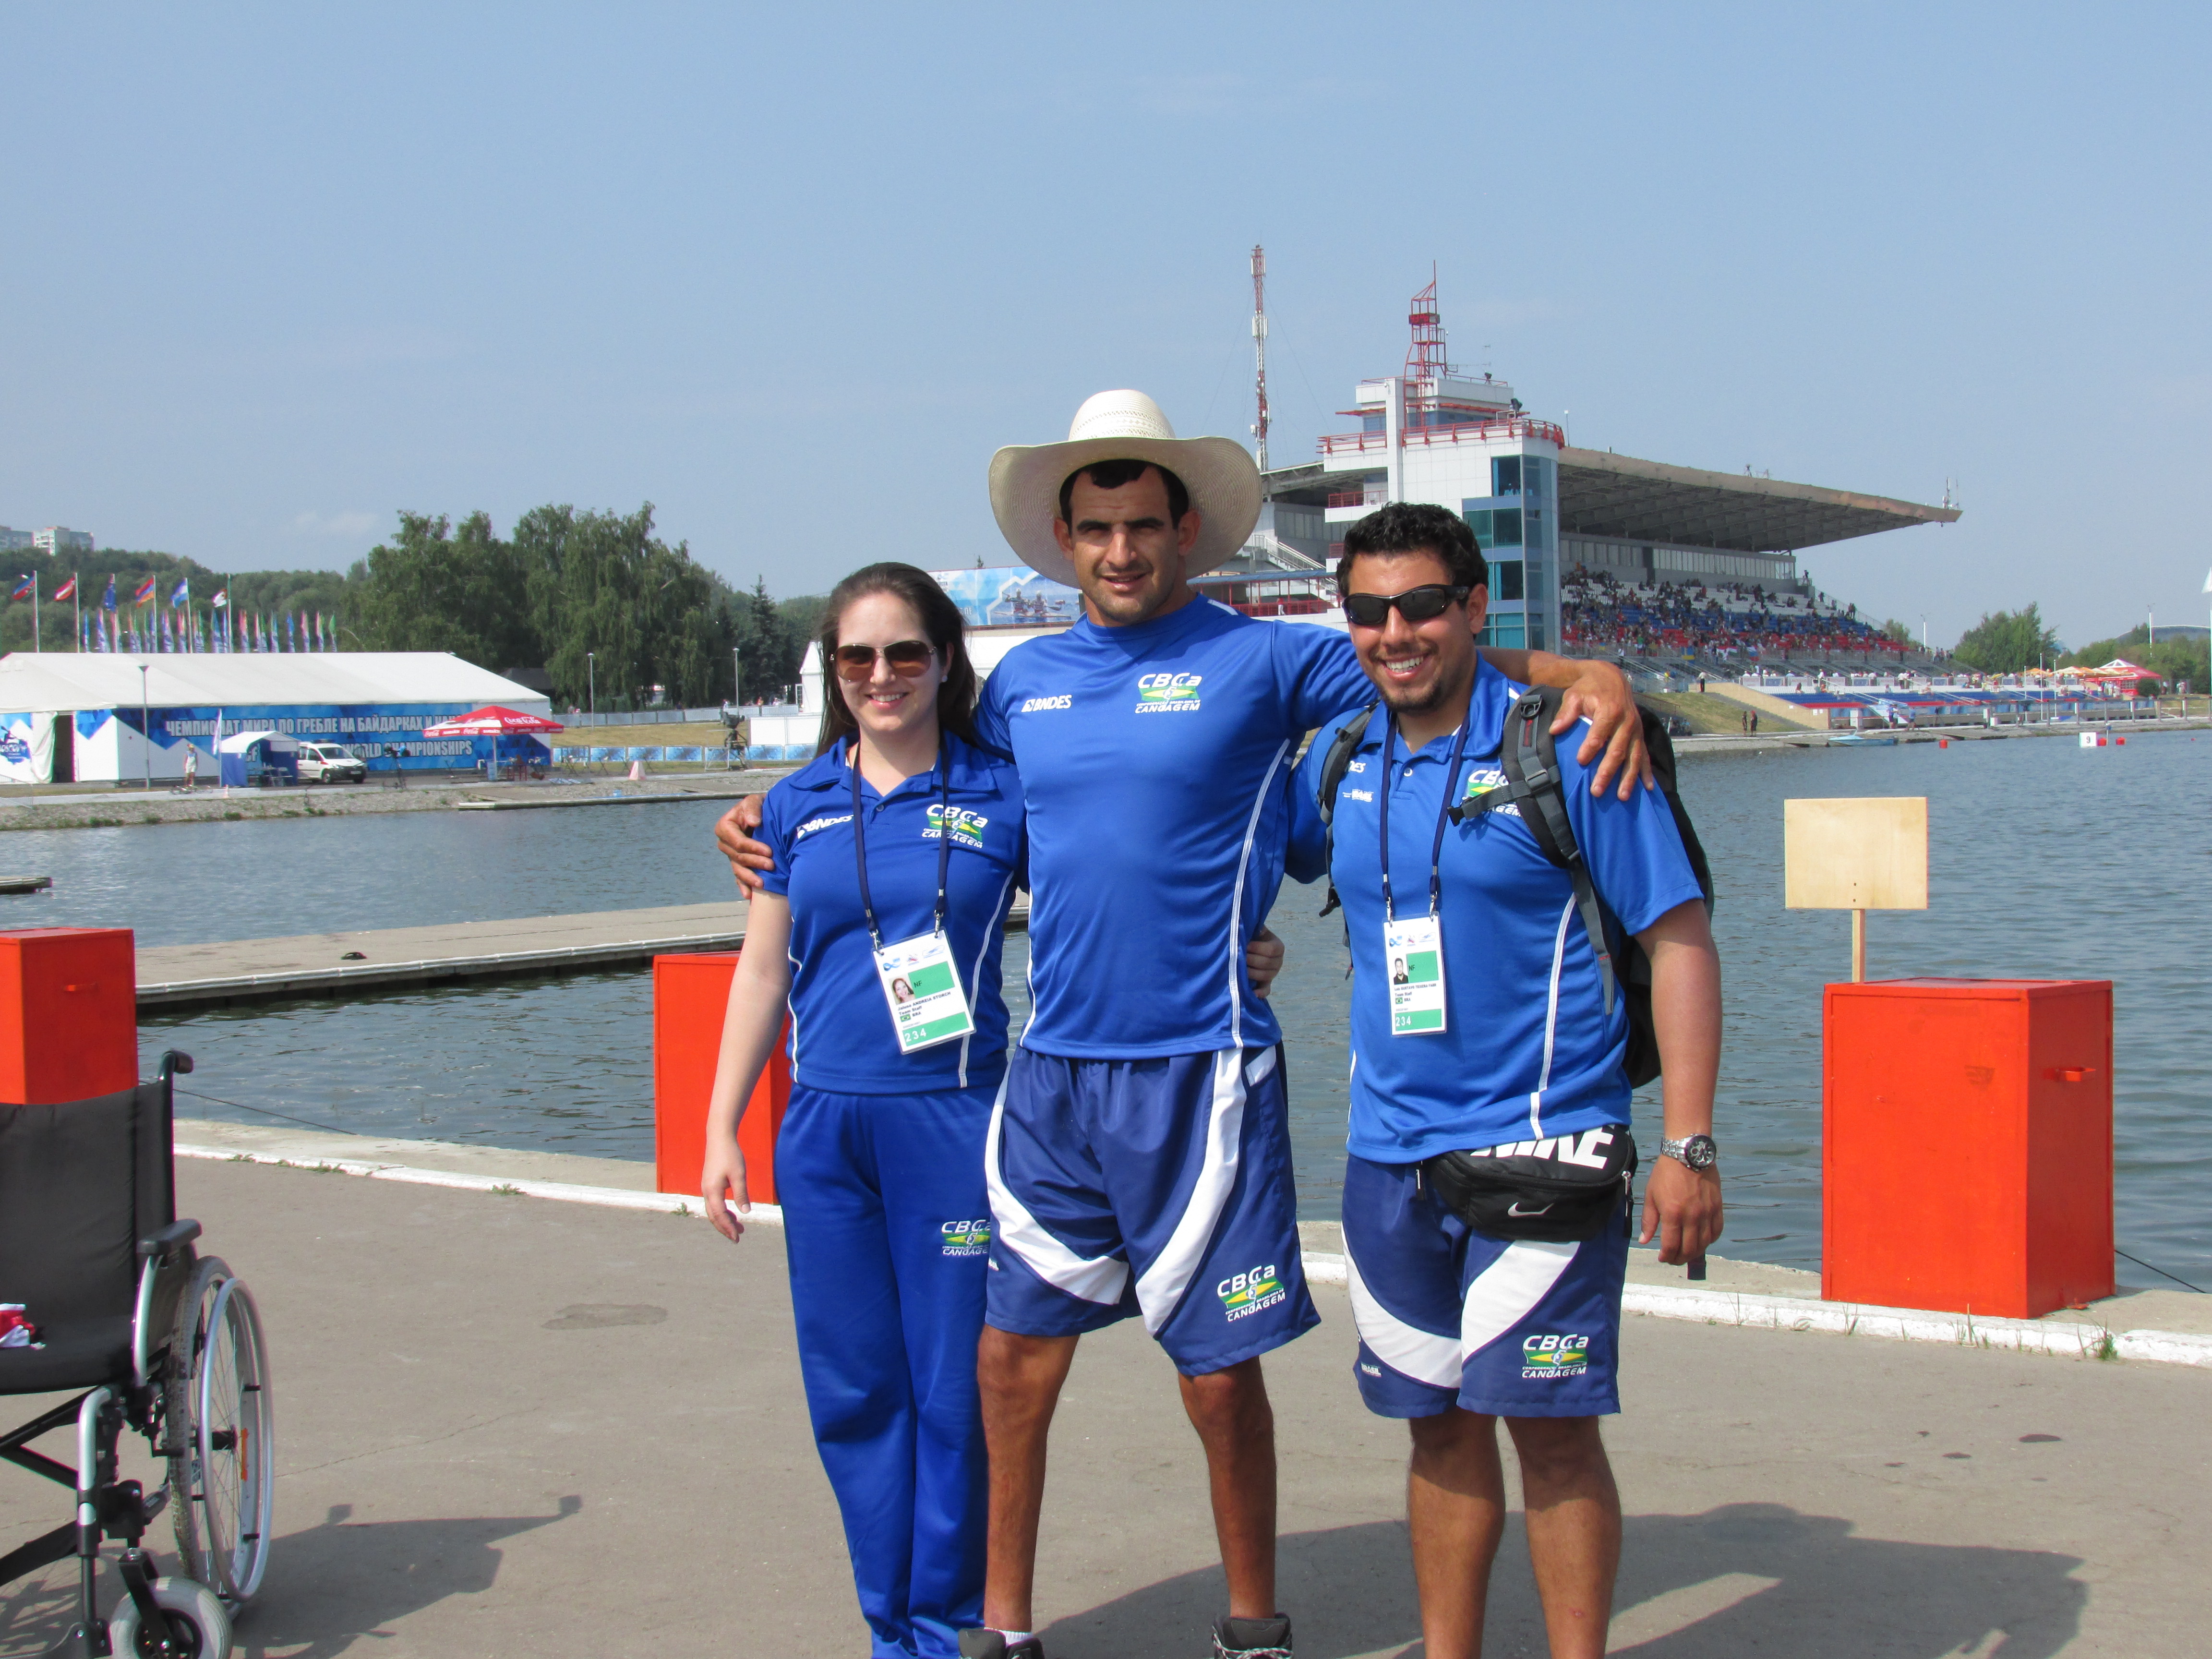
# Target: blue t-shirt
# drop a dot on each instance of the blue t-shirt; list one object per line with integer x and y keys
{"x": 1528, "y": 1049}
{"x": 1154, "y": 759}
{"x": 842, "y": 1037}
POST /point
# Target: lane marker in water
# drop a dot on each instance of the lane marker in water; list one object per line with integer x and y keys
{"x": 612, "y": 1198}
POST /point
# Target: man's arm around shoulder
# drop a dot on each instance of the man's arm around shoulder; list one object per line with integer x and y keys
{"x": 1598, "y": 692}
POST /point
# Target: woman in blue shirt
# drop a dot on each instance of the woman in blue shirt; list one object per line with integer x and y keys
{"x": 898, "y": 851}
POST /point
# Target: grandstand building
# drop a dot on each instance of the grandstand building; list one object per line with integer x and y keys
{"x": 1676, "y": 561}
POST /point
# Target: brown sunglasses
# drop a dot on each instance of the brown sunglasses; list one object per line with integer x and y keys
{"x": 909, "y": 658}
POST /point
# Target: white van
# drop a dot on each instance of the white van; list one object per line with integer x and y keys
{"x": 325, "y": 762}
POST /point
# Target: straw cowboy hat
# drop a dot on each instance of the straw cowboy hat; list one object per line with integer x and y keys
{"x": 1220, "y": 474}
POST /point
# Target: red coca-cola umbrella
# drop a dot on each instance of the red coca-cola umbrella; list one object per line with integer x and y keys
{"x": 491, "y": 722}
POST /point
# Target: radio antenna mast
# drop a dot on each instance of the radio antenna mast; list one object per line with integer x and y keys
{"x": 1260, "y": 352}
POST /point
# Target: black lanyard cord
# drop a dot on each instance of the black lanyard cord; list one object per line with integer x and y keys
{"x": 943, "y": 837}
{"x": 1437, "y": 847}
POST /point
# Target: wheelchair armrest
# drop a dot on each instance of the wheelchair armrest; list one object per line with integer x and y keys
{"x": 164, "y": 1242}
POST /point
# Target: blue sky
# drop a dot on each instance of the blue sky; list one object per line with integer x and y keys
{"x": 792, "y": 273}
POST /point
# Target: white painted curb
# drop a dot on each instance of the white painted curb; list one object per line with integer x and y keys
{"x": 613, "y": 1198}
{"x": 1792, "y": 1313}
{"x": 1771, "y": 1313}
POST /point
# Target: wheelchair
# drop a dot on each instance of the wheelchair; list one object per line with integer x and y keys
{"x": 151, "y": 1335}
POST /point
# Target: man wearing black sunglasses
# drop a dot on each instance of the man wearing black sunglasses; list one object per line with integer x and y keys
{"x": 1489, "y": 1094}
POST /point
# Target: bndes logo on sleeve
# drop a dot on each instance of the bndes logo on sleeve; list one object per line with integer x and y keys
{"x": 1168, "y": 694}
{"x": 1038, "y": 705}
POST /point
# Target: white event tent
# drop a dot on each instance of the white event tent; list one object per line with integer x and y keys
{"x": 96, "y": 716}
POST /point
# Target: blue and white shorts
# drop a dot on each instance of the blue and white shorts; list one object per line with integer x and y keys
{"x": 1448, "y": 1316}
{"x": 1159, "y": 1187}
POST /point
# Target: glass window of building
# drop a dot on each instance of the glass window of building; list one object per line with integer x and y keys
{"x": 1505, "y": 579}
{"x": 1505, "y": 630}
{"x": 1505, "y": 475}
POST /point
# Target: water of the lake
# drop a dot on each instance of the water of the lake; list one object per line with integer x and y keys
{"x": 2047, "y": 861}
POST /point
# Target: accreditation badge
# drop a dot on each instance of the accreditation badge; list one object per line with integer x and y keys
{"x": 922, "y": 986}
{"x": 1414, "y": 958}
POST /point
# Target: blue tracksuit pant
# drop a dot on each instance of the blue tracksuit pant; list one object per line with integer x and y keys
{"x": 888, "y": 1231}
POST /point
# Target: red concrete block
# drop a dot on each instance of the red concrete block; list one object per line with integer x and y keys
{"x": 1966, "y": 1151}
{"x": 69, "y": 1014}
{"x": 691, "y": 994}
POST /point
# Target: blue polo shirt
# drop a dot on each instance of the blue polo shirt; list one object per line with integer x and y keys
{"x": 841, "y": 1038}
{"x": 1154, "y": 759}
{"x": 1528, "y": 1049}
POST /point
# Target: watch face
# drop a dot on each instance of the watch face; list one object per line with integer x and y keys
{"x": 1699, "y": 1152}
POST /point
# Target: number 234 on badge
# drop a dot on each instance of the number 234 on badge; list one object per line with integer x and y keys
{"x": 1414, "y": 958}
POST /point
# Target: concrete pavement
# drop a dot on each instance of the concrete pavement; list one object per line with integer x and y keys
{"x": 508, "y": 1426}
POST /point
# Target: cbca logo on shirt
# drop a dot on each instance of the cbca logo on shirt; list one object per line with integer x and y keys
{"x": 967, "y": 827}
{"x": 1554, "y": 1355}
{"x": 1168, "y": 694}
{"x": 966, "y": 1237}
{"x": 1249, "y": 1291}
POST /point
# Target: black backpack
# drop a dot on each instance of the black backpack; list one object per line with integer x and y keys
{"x": 1530, "y": 762}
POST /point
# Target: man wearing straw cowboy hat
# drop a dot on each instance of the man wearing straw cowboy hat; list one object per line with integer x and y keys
{"x": 1139, "y": 1156}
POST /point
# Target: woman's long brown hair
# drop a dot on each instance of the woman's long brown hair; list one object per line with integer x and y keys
{"x": 941, "y": 623}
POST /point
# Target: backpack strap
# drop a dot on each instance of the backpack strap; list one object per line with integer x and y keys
{"x": 1334, "y": 765}
{"x": 1531, "y": 760}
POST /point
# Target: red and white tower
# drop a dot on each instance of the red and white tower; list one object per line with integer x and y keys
{"x": 1260, "y": 350}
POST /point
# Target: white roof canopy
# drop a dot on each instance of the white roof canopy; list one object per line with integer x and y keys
{"x": 59, "y": 680}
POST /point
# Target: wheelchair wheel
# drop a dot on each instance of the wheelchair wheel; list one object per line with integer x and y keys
{"x": 222, "y": 1478}
{"x": 198, "y": 1628}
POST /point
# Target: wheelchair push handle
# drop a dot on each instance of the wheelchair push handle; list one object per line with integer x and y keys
{"x": 175, "y": 1062}
{"x": 170, "y": 1239}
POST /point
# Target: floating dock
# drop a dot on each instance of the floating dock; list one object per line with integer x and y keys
{"x": 350, "y": 964}
{"x": 390, "y": 959}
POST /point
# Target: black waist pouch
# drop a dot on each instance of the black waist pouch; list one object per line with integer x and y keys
{"x": 1558, "y": 1191}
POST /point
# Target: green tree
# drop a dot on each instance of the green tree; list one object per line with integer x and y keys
{"x": 2174, "y": 660}
{"x": 615, "y": 607}
{"x": 1898, "y": 631}
{"x": 2006, "y": 642}
{"x": 433, "y": 588}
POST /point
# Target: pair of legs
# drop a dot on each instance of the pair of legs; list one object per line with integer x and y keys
{"x": 1020, "y": 1377}
{"x": 883, "y": 1205}
{"x": 1455, "y": 1511}
{"x": 1158, "y": 1189}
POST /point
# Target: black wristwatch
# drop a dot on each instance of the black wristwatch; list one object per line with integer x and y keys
{"x": 1696, "y": 1151}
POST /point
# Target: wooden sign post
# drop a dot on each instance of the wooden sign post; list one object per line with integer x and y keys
{"x": 1856, "y": 855}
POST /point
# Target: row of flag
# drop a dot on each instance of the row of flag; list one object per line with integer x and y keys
{"x": 256, "y": 631}
{"x": 221, "y": 628}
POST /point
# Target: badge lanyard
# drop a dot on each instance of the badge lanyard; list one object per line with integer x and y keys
{"x": 1414, "y": 950}
{"x": 921, "y": 981}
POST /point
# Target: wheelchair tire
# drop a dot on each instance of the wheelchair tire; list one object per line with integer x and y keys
{"x": 206, "y": 1634}
{"x": 221, "y": 1478}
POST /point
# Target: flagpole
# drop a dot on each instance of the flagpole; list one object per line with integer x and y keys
{"x": 77, "y": 598}
{"x": 35, "y": 647}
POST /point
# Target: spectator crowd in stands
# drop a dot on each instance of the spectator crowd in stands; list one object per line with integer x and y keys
{"x": 1725, "y": 622}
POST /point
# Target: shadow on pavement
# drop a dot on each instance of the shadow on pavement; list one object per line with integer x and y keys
{"x": 328, "y": 1586}
{"x": 1740, "y": 1579}
{"x": 349, "y": 1578}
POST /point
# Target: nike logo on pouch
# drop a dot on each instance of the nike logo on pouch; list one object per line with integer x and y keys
{"x": 1515, "y": 1209}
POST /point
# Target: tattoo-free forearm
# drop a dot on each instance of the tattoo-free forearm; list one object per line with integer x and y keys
{"x": 754, "y": 1015}
{"x": 1685, "y": 1015}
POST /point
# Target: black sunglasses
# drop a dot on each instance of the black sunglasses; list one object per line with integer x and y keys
{"x": 1415, "y": 605}
{"x": 909, "y": 658}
